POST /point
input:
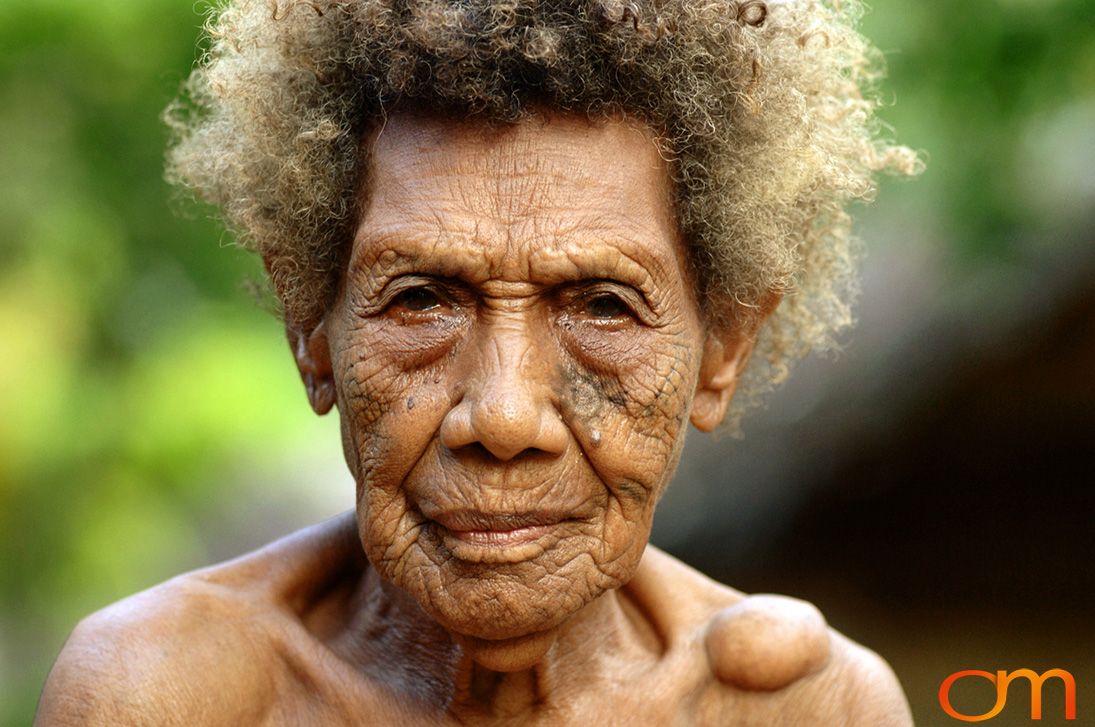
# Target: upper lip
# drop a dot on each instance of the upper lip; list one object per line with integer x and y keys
{"x": 479, "y": 521}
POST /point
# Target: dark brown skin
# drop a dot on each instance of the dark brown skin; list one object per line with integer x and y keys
{"x": 515, "y": 353}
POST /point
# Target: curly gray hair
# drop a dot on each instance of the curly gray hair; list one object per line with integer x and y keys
{"x": 764, "y": 110}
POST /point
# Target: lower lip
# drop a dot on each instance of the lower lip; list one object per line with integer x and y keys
{"x": 496, "y": 546}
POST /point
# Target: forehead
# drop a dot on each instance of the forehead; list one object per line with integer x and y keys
{"x": 510, "y": 200}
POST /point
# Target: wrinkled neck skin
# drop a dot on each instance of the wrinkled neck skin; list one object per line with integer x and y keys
{"x": 474, "y": 679}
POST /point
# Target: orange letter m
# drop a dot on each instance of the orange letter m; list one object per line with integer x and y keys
{"x": 1036, "y": 682}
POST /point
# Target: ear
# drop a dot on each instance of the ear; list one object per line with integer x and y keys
{"x": 312, "y": 352}
{"x": 725, "y": 354}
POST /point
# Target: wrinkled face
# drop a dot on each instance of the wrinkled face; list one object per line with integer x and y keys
{"x": 514, "y": 349}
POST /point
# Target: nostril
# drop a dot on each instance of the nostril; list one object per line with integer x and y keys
{"x": 503, "y": 450}
{"x": 477, "y": 451}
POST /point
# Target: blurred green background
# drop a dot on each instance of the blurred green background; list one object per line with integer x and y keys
{"x": 151, "y": 420}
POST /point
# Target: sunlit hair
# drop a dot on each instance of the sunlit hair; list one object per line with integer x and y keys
{"x": 764, "y": 110}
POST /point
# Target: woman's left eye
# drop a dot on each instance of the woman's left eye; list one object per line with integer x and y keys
{"x": 418, "y": 299}
{"x": 606, "y": 306}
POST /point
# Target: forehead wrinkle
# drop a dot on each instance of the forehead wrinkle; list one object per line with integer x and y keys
{"x": 579, "y": 250}
{"x": 411, "y": 221}
{"x": 414, "y": 231}
{"x": 545, "y": 191}
{"x": 492, "y": 202}
{"x": 525, "y": 179}
{"x": 626, "y": 237}
{"x": 546, "y": 264}
{"x": 397, "y": 251}
{"x": 503, "y": 175}
{"x": 509, "y": 172}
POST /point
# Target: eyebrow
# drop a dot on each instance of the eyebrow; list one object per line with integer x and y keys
{"x": 565, "y": 259}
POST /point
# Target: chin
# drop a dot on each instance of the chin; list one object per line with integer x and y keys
{"x": 509, "y": 590}
{"x": 504, "y": 605}
{"x": 494, "y": 601}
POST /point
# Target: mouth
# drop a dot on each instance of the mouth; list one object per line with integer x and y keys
{"x": 479, "y": 537}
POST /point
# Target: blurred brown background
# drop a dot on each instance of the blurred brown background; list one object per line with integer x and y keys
{"x": 929, "y": 488}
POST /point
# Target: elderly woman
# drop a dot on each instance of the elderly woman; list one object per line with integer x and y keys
{"x": 520, "y": 245}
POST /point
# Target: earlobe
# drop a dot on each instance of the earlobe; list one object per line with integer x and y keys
{"x": 722, "y": 365}
{"x": 312, "y": 353}
{"x": 725, "y": 354}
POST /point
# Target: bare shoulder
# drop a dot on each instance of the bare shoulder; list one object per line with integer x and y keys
{"x": 152, "y": 658}
{"x": 870, "y": 690}
{"x": 192, "y": 650}
{"x": 768, "y": 657}
{"x": 661, "y": 579}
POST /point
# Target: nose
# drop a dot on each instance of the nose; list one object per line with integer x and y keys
{"x": 506, "y": 407}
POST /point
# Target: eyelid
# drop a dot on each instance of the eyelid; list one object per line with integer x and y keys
{"x": 405, "y": 283}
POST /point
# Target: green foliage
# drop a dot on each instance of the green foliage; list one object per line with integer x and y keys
{"x": 1001, "y": 95}
{"x": 134, "y": 368}
{"x": 134, "y": 371}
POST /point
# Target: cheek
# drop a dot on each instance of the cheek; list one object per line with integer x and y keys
{"x": 630, "y": 403}
{"x": 389, "y": 415}
{"x": 631, "y": 416}
{"x": 390, "y": 407}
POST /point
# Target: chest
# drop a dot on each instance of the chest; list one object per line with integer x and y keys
{"x": 679, "y": 689}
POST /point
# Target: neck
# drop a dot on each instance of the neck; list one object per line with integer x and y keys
{"x": 469, "y": 676}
